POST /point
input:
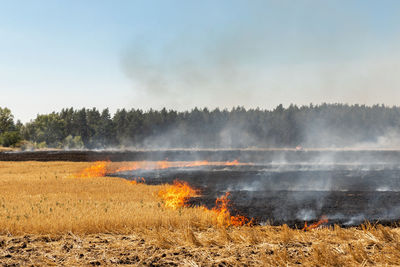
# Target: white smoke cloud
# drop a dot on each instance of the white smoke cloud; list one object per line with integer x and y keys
{"x": 328, "y": 55}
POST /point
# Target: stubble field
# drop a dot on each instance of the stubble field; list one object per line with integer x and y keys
{"x": 50, "y": 217}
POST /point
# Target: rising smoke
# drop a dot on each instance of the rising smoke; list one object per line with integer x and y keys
{"x": 260, "y": 59}
{"x": 264, "y": 60}
{"x": 289, "y": 186}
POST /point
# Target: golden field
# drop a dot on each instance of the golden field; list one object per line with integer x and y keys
{"x": 49, "y": 217}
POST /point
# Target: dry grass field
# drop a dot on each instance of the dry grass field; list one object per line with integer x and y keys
{"x": 50, "y": 217}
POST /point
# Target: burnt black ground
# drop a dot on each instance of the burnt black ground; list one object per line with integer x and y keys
{"x": 242, "y": 155}
{"x": 294, "y": 207}
{"x": 347, "y": 194}
{"x": 281, "y": 177}
{"x": 282, "y": 186}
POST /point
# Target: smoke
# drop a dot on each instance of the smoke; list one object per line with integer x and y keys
{"x": 280, "y": 53}
{"x": 389, "y": 140}
{"x": 265, "y": 54}
{"x": 211, "y": 74}
{"x": 283, "y": 186}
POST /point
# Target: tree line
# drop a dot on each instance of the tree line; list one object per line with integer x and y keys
{"x": 324, "y": 125}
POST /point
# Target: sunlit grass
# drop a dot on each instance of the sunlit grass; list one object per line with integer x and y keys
{"x": 47, "y": 198}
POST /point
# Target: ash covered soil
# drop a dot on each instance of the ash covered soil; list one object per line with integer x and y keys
{"x": 294, "y": 208}
{"x": 347, "y": 194}
{"x": 242, "y": 155}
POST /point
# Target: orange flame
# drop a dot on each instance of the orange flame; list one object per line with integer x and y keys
{"x": 154, "y": 165}
{"x": 223, "y": 215}
{"x": 176, "y": 195}
{"x": 101, "y": 168}
{"x": 232, "y": 163}
{"x": 98, "y": 169}
{"x": 306, "y": 227}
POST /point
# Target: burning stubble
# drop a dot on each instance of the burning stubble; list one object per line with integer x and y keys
{"x": 176, "y": 195}
{"x": 290, "y": 190}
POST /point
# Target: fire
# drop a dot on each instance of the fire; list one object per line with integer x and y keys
{"x": 175, "y": 196}
{"x": 194, "y": 163}
{"x": 233, "y": 163}
{"x": 98, "y": 169}
{"x": 155, "y": 165}
{"x": 136, "y": 165}
{"x": 223, "y": 215}
{"x": 306, "y": 227}
{"x": 101, "y": 168}
{"x": 145, "y": 165}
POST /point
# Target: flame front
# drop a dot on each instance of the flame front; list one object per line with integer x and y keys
{"x": 175, "y": 196}
{"x": 164, "y": 164}
{"x": 306, "y": 227}
{"x": 101, "y": 168}
{"x": 223, "y": 215}
{"x": 98, "y": 169}
{"x": 233, "y": 163}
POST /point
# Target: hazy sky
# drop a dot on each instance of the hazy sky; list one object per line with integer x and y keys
{"x": 182, "y": 54}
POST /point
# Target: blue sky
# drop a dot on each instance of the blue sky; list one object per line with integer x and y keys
{"x": 182, "y": 54}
